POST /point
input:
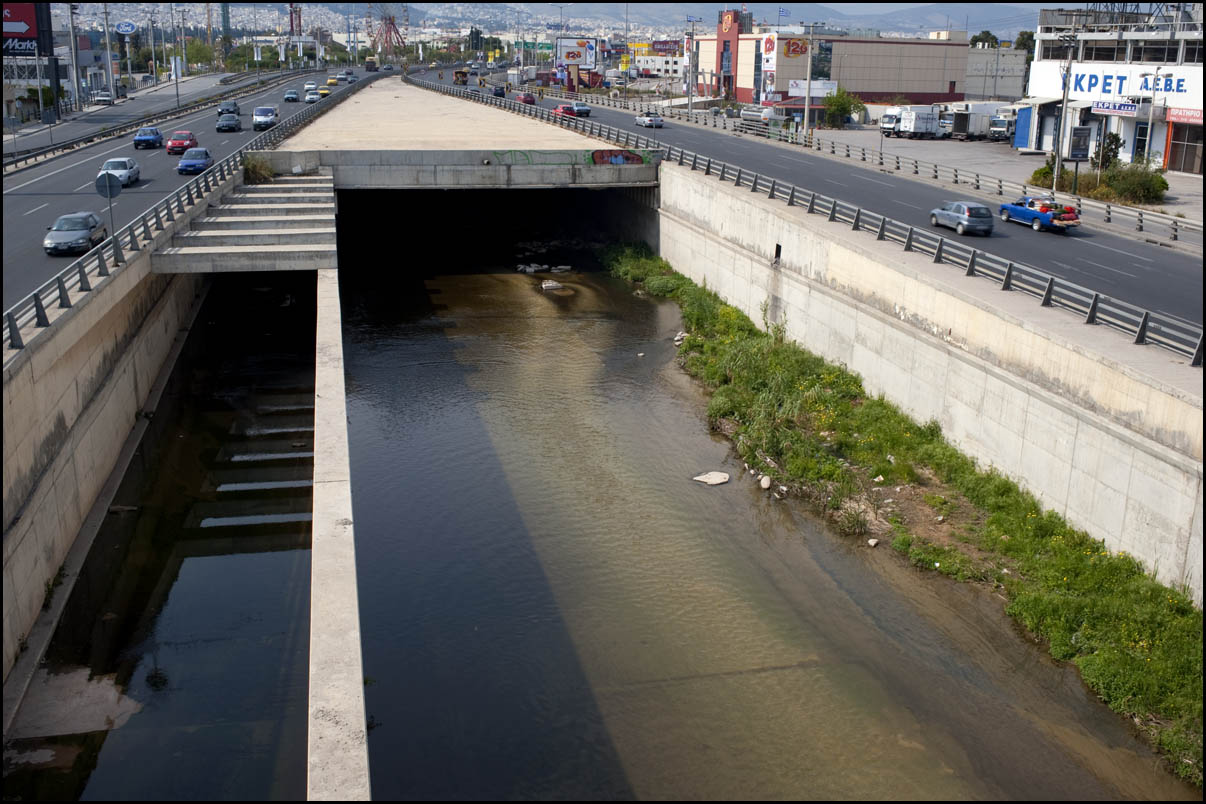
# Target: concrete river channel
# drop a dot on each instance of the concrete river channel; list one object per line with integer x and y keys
{"x": 550, "y": 607}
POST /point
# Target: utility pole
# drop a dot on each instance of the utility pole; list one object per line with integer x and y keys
{"x": 178, "y": 65}
{"x": 108, "y": 56}
{"x": 75, "y": 69}
{"x": 808, "y": 89}
{"x": 1068, "y": 39}
{"x": 154, "y": 66}
{"x": 691, "y": 61}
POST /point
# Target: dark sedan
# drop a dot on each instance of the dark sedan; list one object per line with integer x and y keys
{"x": 229, "y": 122}
{"x": 195, "y": 160}
{"x": 75, "y": 232}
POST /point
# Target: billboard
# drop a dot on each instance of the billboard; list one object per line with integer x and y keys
{"x": 27, "y": 29}
{"x": 769, "y": 47}
{"x": 796, "y": 88}
{"x": 577, "y": 52}
{"x": 665, "y": 47}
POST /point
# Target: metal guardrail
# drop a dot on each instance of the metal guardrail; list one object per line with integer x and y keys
{"x": 1144, "y": 326}
{"x": 28, "y": 158}
{"x": 1143, "y": 221}
{"x": 28, "y": 318}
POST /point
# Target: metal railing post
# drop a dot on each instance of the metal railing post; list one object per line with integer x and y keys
{"x": 64, "y": 299}
{"x": 85, "y": 285}
{"x": 881, "y": 233}
{"x": 812, "y": 201}
{"x": 858, "y": 214}
{"x": 971, "y": 264}
{"x": 40, "y": 311}
{"x": 908, "y": 246}
{"x": 1091, "y": 318}
{"x": 14, "y": 333}
{"x": 938, "y": 250}
{"x": 1141, "y": 333}
{"x": 1048, "y": 292}
{"x": 1007, "y": 282}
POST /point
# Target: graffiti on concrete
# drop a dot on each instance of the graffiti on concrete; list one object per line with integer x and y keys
{"x": 602, "y": 156}
{"x": 618, "y": 156}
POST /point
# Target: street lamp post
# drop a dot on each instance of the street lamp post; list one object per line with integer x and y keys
{"x": 1151, "y": 113}
{"x": 691, "y": 61}
{"x": 179, "y": 65}
{"x": 1068, "y": 39}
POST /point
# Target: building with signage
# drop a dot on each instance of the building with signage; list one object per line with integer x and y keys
{"x": 1129, "y": 72}
{"x": 757, "y": 64}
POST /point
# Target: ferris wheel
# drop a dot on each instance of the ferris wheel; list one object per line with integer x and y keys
{"x": 381, "y": 24}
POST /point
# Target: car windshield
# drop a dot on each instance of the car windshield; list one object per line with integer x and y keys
{"x": 196, "y": 153}
{"x": 114, "y": 164}
{"x": 182, "y": 135}
{"x": 71, "y": 224}
{"x": 978, "y": 212}
{"x": 229, "y": 118}
{"x": 148, "y": 132}
{"x": 265, "y": 111}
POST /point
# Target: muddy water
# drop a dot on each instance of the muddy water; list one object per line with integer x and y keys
{"x": 551, "y": 608}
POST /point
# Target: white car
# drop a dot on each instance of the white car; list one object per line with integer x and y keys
{"x": 264, "y": 117}
{"x": 310, "y": 86}
{"x": 313, "y": 97}
{"x": 649, "y": 121}
{"x": 124, "y": 168}
{"x": 102, "y": 97}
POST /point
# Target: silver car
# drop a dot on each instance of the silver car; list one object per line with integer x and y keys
{"x": 125, "y": 169}
{"x": 963, "y": 217}
{"x": 75, "y": 232}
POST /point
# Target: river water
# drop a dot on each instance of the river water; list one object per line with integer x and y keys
{"x": 551, "y": 608}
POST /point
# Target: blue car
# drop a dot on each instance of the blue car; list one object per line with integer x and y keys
{"x": 148, "y": 137}
{"x": 195, "y": 160}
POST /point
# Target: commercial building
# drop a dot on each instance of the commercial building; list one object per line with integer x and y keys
{"x": 1128, "y": 71}
{"x": 995, "y": 72}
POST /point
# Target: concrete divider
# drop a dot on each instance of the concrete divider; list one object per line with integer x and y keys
{"x": 1107, "y": 434}
{"x": 70, "y": 399}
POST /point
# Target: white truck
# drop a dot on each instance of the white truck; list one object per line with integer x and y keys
{"x": 518, "y": 75}
{"x": 919, "y": 123}
{"x": 1002, "y": 124}
{"x": 970, "y": 125}
{"x": 889, "y": 121}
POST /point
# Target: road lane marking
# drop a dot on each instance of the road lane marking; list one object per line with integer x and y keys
{"x": 1106, "y": 267}
{"x": 1117, "y": 250}
{"x": 838, "y": 183}
{"x": 35, "y": 209}
{"x": 82, "y": 186}
{"x": 223, "y": 142}
{"x": 906, "y": 203}
{"x": 877, "y": 181}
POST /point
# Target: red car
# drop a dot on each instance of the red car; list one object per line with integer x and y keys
{"x": 526, "y": 97}
{"x": 564, "y": 110}
{"x": 181, "y": 141}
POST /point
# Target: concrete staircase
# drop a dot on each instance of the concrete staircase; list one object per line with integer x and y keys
{"x": 285, "y": 225}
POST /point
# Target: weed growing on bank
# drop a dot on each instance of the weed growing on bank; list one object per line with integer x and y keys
{"x": 1138, "y": 644}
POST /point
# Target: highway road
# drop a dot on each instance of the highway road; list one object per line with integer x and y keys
{"x": 1151, "y": 277}
{"x": 161, "y": 99}
{"x": 34, "y": 198}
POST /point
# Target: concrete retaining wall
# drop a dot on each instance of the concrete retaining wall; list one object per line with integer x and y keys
{"x": 1105, "y": 433}
{"x": 70, "y": 399}
{"x": 385, "y": 170}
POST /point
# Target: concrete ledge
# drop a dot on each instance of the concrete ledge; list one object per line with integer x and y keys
{"x": 337, "y": 766}
{"x": 224, "y": 210}
{"x": 311, "y": 197}
{"x": 253, "y": 223}
{"x": 227, "y": 259}
{"x": 256, "y": 237}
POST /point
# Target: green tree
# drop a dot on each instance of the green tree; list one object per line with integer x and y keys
{"x": 839, "y": 106}
{"x": 1025, "y": 41}
{"x": 197, "y": 52}
{"x": 985, "y": 36}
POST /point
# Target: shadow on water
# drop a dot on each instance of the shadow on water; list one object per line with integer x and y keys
{"x": 178, "y": 669}
{"x": 474, "y": 689}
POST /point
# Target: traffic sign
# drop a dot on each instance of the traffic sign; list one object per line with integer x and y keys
{"x": 126, "y": 28}
{"x": 108, "y": 185}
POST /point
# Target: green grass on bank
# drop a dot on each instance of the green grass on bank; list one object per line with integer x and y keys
{"x": 1138, "y": 643}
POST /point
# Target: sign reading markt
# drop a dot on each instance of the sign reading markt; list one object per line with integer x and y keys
{"x": 27, "y": 29}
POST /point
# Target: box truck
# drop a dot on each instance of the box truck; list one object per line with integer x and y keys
{"x": 918, "y": 124}
{"x": 1002, "y": 124}
{"x": 970, "y": 126}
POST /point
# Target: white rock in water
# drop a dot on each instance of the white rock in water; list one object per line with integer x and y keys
{"x": 872, "y": 542}
{"x": 765, "y": 482}
{"x": 713, "y": 478}
{"x": 550, "y": 284}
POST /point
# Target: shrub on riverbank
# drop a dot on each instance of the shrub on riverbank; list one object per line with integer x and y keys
{"x": 1138, "y": 644}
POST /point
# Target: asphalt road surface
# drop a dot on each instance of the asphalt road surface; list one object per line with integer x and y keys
{"x": 34, "y": 198}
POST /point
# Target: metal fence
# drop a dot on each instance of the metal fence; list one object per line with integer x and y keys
{"x": 26, "y": 158}
{"x": 1143, "y": 326}
{"x": 1150, "y": 224}
{"x": 28, "y": 318}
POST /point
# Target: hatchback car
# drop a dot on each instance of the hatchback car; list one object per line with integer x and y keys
{"x": 581, "y": 109}
{"x": 648, "y": 121}
{"x": 526, "y": 97}
{"x": 181, "y": 141}
{"x": 332, "y": 80}
{"x": 263, "y": 117}
{"x": 313, "y": 97}
{"x": 228, "y": 107}
{"x": 148, "y": 137}
{"x": 74, "y": 232}
{"x": 229, "y": 122}
{"x": 387, "y": 67}
{"x": 124, "y": 168}
{"x": 292, "y": 97}
{"x": 963, "y": 217}
{"x": 195, "y": 160}
{"x": 564, "y": 110}
{"x": 352, "y": 78}
{"x": 500, "y": 92}
{"x": 324, "y": 91}
{"x": 310, "y": 86}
